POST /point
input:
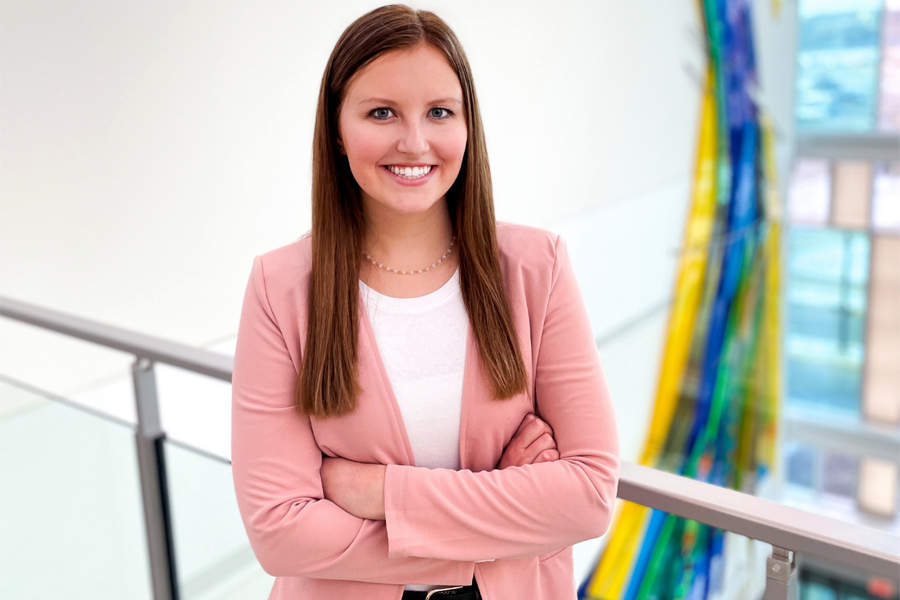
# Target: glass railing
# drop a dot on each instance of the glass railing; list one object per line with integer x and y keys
{"x": 70, "y": 506}
{"x": 71, "y": 520}
{"x": 213, "y": 558}
{"x": 76, "y": 501}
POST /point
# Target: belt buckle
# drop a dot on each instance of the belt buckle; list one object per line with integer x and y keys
{"x": 446, "y": 589}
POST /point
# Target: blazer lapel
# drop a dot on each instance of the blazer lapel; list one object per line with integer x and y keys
{"x": 486, "y": 424}
{"x": 374, "y": 375}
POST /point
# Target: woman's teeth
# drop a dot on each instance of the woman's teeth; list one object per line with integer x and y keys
{"x": 410, "y": 172}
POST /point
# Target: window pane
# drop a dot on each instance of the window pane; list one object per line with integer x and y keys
{"x": 852, "y": 194}
{"x": 881, "y": 401}
{"x": 878, "y": 487}
{"x": 809, "y": 197}
{"x": 838, "y": 64}
{"x": 814, "y": 589}
{"x": 839, "y": 474}
{"x": 886, "y": 197}
{"x": 801, "y": 465}
{"x": 889, "y": 100}
{"x": 827, "y": 280}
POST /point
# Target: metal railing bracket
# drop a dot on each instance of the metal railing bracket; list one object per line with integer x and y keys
{"x": 780, "y": 570}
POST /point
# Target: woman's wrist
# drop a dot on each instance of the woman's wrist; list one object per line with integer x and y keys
{"x": 358, "y": 488}
{"x": 375, "y": 492}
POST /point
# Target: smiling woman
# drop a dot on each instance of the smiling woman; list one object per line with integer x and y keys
{"x": 441, "y": 425}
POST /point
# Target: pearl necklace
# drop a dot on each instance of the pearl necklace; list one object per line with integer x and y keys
{"x": 434, "y": 265}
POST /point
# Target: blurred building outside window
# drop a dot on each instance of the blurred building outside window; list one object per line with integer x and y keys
{"x": 842, "y": 323}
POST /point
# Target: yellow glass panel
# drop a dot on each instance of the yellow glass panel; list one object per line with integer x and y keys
{"x": 852, "y": 194}
{"x": 881, "y": 388}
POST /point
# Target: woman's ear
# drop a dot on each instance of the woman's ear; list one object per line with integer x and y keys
{"x": 340, "y": 145}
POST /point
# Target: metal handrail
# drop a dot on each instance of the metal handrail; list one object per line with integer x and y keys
{"x": 152, "y": 348}
{"x": 782, "y": 526}
{"x": 870, "y": 550}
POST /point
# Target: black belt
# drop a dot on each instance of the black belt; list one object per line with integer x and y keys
{"x": 468, "y": 592}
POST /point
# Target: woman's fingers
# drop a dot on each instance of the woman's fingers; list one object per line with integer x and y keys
{"x": 532, "y": 431}
{"x": 533, "y": 437}
{"x": 525, "y": 421}
{"x": 547, "y": 456}
{"x": 544, "y": 442}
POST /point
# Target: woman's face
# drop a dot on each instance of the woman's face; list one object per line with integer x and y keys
{"x": 403, "y": 129}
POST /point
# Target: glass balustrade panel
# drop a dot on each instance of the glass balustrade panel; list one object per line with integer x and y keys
{"x": 71, "y": 518}
{"x": 213, "y": 557}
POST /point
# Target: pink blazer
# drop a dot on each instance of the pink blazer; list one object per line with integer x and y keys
{"x": 441, "y": 525}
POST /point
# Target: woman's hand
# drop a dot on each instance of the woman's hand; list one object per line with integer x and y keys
{"x": 532, "y": 443}
{"x": 358, "y": 488}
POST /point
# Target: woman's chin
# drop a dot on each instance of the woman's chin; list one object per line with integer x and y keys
{"x": 407, "y": 207}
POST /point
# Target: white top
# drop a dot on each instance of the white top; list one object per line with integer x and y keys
{"x": 422, "y": 342}
{"x": 423, "y": 346}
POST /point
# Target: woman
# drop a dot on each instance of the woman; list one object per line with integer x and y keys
{"x": 390, "y": 365}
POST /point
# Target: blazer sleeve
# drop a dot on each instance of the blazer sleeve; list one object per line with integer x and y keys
{"x": 276, "y": 462}
{"x": 533, "y": 509}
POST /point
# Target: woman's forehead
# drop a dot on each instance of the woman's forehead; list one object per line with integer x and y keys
{"x": 421, "y": 73}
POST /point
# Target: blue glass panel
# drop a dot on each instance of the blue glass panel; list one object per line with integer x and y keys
{"x": 827, "y": 280}
{"x": 838, "y": 60}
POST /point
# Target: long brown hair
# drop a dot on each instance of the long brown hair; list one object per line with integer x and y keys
{"x": 328, "y": 384}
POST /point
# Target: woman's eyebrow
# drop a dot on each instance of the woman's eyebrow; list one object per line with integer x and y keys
{"x": 376, "y": 101}
{"x": 391, "y": 102}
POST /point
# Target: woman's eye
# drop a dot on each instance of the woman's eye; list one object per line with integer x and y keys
{"x": 439, "y": 113}
{"x": 381, "y": 113}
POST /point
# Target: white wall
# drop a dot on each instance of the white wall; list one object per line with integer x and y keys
{"x": 151, "y": 149}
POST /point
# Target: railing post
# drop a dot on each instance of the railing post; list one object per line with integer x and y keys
{"x": 154, "y": 489}
{"x": 780, "y": 584}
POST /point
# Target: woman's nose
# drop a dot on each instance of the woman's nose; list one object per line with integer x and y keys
{"x": 413, "y": 140}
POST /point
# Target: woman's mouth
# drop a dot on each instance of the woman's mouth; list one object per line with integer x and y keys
{"x": 410, "y": 173}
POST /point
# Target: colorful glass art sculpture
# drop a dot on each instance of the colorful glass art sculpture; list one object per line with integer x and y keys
{"x": 717, "y": 394}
